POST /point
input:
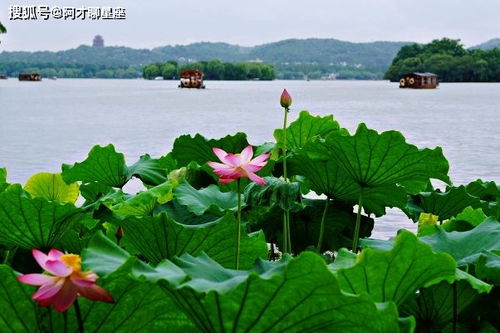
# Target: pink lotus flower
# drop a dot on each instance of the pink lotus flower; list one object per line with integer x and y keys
{"x": 240, "y": 165}
{"x": 67, "y": 282}
{"x": 286, "y": 99}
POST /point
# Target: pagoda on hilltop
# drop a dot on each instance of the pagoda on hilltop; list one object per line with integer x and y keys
{"x": 98, "y": 41}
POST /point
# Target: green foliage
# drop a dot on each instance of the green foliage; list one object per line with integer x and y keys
{"x": 2, "y": 29}
{"x": 306, "y": 128}
{"x": 52, "y": 187}
{"x": 32, "y": 222}
{"x": 393, "y": 275}
{"x": 291, "y": 59}
{"x": 443, "y": 204}
{"x": 167, "y": 253}
{"x": 18, "y": 312}
{"x": 212, "y": 70}
{"x": 449, "y": 60}
{"x": 103, "y": 165}
{"x": 209, "y": 199}
{"x": 160, "y": 237}
{"x": 296, "y": 295}
{"x": 466, "y": 247}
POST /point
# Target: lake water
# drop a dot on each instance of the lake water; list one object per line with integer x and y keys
{"x": 47, "y": 123}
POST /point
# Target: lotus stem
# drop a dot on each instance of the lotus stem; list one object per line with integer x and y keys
{"x": 358, "y": 223}
{"x": 6, "y": 258}
{"x": 322, "y": 226}
{"x": 238, "y": 227}
{"x": 287, "y": 240}
{"x": 285, "y": 233}
{"x": 78, "y": 316}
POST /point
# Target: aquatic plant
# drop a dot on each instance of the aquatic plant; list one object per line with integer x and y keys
{"x": 167, "y": 254}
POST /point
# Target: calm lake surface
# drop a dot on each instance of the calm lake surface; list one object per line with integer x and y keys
{"x": 44, "y": 124}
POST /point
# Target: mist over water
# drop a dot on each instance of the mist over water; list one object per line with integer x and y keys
{"x": 44, "y": 124}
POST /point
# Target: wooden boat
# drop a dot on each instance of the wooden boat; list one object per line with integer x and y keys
{"x": 3, "y": 77}
{"x": 191, "y": 79}
{"x": 419, "y": 81}
{"x": 30, "y": 77}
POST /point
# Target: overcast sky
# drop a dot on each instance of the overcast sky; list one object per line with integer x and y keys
{"x": 153, "y": 23}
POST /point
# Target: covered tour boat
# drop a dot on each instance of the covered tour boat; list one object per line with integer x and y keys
{"x": 419, "y": 80}
{"x": 191, "y": 79}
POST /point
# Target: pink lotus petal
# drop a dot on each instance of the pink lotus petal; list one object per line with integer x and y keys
{"x": 216, "y": 165}
{"x": 54, "y": 254}
{"x": 47, "y": 291}
{"x": 36, "y": 279}
{"x": 226, "y": 180}
{"x": 65, "y": 297}
{"x": 40, "y": 258}
{"x": 84, "y": 283}
{"x": 231, "y": 173}
{"x": 58, "y": 268}
{"x": 246, "y": 154}
{"x": 252, "y": 168}
{"x": 234, "y": 160}
{"x": 260, "y": 160}
{"x": 96, "y": 293}
{"x": 221, "y": 154}
{"x": 253, "y": 177}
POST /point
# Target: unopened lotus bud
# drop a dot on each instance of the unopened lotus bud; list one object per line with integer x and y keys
{"x": 286, "y": 99}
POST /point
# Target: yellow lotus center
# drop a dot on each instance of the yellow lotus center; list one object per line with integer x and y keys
{"x": 73, "y": 261}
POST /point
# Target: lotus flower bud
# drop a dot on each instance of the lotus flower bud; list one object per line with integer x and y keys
{"x": 286, "y": 99}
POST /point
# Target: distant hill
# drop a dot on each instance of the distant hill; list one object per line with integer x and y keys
{"x": 293, "y": 58}
{"x": 491, "y": 44}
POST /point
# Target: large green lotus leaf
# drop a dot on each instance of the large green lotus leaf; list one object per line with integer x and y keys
{"x": 140, "y": 307}
{"x": 297, "y": 295}
{"x": 3, "y": 179}
{"x": 443, "y": 204}
{"x": 94, "y": 191}
{"x": 396, "y": 274}
{"x": 467, "y": 246}
{"x": 77, "y": 237}
{"x": 32, "y": 222}
{"x": 160, "y": 237}
{"x": 464, "y": 221}
{"x": 209, "y": 199}
{"x": 199, "y": 149}
{"x": 487, "y": 191}
{"x": 277, "y": 192}
{"x": 305, "y": 129}
{"x": 103, "y": 165}
{"x": 378, "y": 160}
{"x": 293, "y": 295}
{"x": 181, "y": 214}
{"x": 328, "y": 178}
{"x": 488, "y": 267}
{"x": 18, "y": 314}
{"x": 51, "y": 187}
{"x": 144, "y": 202}
{"x": 152, "y": 171}
{"x": 433, "y": 307}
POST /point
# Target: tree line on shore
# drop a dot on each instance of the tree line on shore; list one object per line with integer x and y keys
{"x": 449, "y": 60}
{"x": 213, "y": 70}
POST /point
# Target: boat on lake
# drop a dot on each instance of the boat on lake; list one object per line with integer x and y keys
{"x": 419, "y": 80}
{"x": 30, "y": 77}
{"x": 3, "y": 77}
{"x": 191, "y": 79}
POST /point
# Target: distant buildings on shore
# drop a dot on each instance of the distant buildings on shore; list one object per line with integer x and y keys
{"x": 98, "y": 41}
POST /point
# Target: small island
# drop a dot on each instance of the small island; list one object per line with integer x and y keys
{"x": 213, "y": 70}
